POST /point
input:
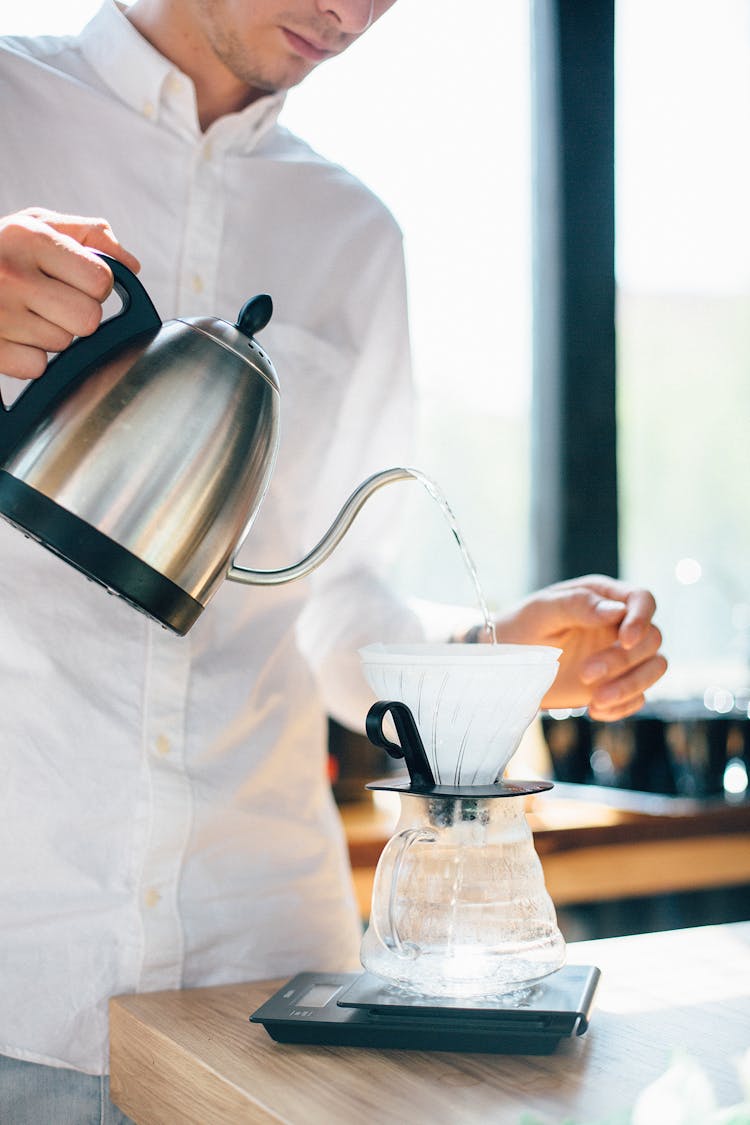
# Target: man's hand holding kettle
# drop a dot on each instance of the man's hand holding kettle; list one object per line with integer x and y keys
{"x": 52, "y": 285}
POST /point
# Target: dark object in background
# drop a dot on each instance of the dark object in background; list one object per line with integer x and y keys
{"x": 353, "y": 761}
{"x": 675, "y": 748}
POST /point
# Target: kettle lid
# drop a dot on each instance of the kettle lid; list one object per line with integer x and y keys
{"x": 240, "y": 337}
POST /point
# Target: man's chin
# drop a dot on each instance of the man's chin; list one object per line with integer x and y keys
{"x": 268, "y": 86}
{"x": 279, "y": 73}
{"x": 293, "y": 77}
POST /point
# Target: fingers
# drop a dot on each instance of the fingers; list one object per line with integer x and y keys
{"x": 22, "y": 361}
{"x": 637, "y": 621}
{"x": 614, "y": 661}
{"x": 569, "y": 604}
{"x": 67, "y": 305}
{"x": 52, "y": 284}
{"x": 612, "y": 601}
{"x": 628, "y": 674}
{"x": 622, "y": 711}
{"x": 29, "y": 338}
{"x": 610, "y": 644}
{"x": 94, "y": 233}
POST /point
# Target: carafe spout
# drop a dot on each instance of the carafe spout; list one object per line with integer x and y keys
{"x": 330, "y": 540}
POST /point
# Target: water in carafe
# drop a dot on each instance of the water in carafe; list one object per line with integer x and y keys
{"x": 459, "y": 905}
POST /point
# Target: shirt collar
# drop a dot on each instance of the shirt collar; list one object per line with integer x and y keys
{"x": 153, "y": 86}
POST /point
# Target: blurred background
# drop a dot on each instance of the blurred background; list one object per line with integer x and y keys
{"x": 572, "y": 182}
{"x": 437, "y": 114}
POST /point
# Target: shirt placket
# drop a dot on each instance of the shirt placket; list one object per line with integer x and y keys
{"x": 202, "y": 232}
{"x": 169, "y": 787}
{"x": 170, "y": 806}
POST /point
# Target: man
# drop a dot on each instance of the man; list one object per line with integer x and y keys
{"x": 166, "y": 818}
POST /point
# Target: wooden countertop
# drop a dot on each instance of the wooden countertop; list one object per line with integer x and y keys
{"x": 193, "y": 1058}
{"x": 596, "y": 843}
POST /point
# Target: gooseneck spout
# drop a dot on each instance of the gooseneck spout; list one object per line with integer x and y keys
{"x": 330, "y": 540}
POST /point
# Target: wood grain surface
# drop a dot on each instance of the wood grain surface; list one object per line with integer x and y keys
{"x": 192, "y": 1057}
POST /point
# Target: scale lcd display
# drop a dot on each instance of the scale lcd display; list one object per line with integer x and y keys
{"x": 319, "y": 995}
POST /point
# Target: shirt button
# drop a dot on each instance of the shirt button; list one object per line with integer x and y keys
{"x": 151, "y": 897}
{"x": 163, "y": 745}
{"x": 197, "y": 282}
{"x": 174, "y": 84}
{"x": 148, "y": 109}
{"x": 208, "y": 151}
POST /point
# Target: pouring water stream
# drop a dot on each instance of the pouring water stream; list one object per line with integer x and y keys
{"x": 343, "y": 522}
{"x": 437, "y": 495}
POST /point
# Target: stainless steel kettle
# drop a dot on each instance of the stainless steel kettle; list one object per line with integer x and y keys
{"x": 142, "y": 455}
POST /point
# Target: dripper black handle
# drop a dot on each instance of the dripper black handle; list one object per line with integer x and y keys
{"x": 411, "y": 748}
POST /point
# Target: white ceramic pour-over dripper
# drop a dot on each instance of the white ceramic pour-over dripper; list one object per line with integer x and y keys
{"x": 471, "y": 703}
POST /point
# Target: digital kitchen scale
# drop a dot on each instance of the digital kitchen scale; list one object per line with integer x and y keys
{"x": 360, "y": 1010}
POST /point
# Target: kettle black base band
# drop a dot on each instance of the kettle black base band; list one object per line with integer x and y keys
{"x": 98, "y": 557}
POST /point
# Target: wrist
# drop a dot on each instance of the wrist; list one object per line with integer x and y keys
{"x": 476, "y": 635}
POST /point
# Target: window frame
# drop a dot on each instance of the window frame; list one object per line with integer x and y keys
{"x": 574, "y": 505}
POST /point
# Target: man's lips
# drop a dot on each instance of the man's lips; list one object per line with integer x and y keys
{"x": 306, "y": 48}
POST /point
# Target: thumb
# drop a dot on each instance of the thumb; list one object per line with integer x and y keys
{"x": 609, "y": 610}
{"x": 586, "y": 607}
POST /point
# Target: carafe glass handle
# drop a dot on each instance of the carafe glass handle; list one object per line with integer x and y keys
{"x": 392, "y": 940}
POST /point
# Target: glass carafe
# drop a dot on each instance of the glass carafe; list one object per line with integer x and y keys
{"x": 459, "y": 905}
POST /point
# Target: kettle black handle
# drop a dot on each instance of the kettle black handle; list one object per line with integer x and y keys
{"x": 136, "y": 317}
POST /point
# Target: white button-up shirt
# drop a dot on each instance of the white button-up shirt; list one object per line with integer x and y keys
{"x": 165, "y": 819}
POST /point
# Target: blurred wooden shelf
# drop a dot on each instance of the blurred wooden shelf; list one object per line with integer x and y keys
{"x": 597, "y": 844}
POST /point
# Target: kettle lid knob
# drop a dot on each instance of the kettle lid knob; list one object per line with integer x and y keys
{"x": 255, "y": 314}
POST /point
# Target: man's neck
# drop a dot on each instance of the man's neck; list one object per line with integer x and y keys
{"x": 166, "y": 26}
